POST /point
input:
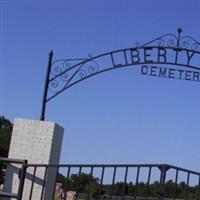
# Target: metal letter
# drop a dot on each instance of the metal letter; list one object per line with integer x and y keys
{"x": 162, "y": 53}
{"x": 189, "y": 56}
{"x": 171, "y": 73}
{"x": 147, "y": 55}
{"x": 195, "y": 75}
{"x": 162, "y": 72}
{"x": 135, "y": 57}
{"x": 187, "y": 75}
{"x": 153, "y": 71}
{"x": 144, "y": 70}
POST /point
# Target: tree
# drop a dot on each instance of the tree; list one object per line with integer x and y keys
{"x": 5, "y": 136}
{"x": 82, "y": 183}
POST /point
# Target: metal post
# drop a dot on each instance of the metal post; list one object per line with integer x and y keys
{"x": 163, "y": 170}
{"x": 42, "y": 116}
{"x": 22, "y": 180}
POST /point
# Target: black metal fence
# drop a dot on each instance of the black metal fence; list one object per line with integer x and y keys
{"x": 115, "y": 182}
{"x": 21, "y": 165}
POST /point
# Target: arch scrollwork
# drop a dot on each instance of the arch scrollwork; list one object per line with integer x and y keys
{"x": 65, "y": 73}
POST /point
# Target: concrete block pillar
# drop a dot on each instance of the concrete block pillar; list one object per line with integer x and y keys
{"x": 40, "y": 143}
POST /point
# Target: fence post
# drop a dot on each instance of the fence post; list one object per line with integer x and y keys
{"x": 163, "y": 170}
{"x": 22, "y": 179}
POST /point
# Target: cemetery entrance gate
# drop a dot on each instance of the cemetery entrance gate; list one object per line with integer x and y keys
{"x": 125, "y": 181}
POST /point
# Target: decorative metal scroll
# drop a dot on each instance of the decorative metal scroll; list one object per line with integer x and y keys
{"x": 167, "y": 49}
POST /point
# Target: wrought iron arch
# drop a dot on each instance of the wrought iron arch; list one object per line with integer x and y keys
{"x": 64, "y": 73}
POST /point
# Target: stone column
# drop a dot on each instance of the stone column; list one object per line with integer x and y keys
{"x": 40, "y": 143}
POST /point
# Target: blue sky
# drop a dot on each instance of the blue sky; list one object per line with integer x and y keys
{"x": 116, "y": 117}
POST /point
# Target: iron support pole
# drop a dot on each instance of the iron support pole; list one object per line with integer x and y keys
{"x": 163, "y": 171}
{"x": 22, "y": 180}
{"x": 42, "y": 116}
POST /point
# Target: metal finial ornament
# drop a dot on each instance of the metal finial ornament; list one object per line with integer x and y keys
{"x": 179, "y": 30}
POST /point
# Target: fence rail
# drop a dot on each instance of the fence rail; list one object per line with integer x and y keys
{"x": 4, "y": 162}
{"x": 112, "y": 181}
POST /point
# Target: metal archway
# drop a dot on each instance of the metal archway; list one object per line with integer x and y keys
{"x": 165, "y": 50}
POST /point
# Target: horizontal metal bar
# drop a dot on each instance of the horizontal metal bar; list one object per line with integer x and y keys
{"x": 114, "y": 165}
{"x": 11, "y": 160}
{"x": 184, "y": 170}
{"x": 97, "y": 165}
{"x": 6, "y": 194}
